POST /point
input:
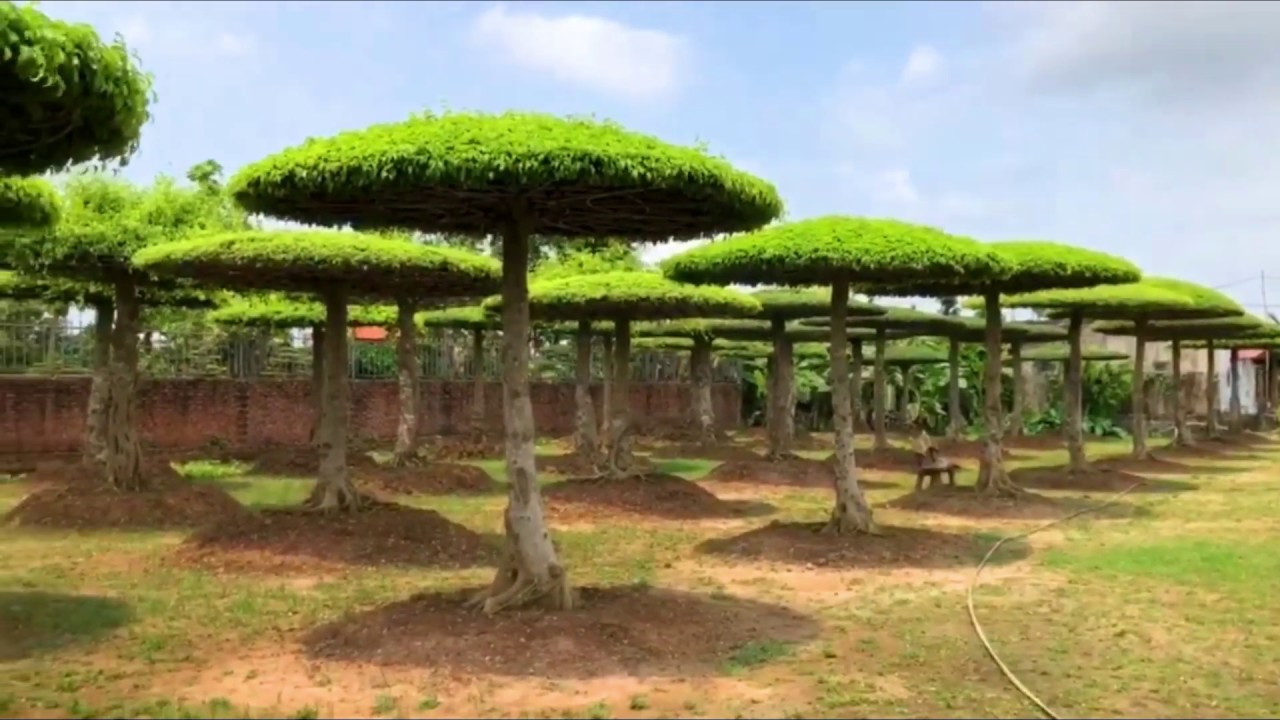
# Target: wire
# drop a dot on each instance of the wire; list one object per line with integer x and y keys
{"x": 977, "y": 576}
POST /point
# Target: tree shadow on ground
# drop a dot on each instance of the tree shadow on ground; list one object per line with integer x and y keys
{"x": 792, "y": 473}
{"x": 629, "y": 630}
{"x": 965, "y": 501}
{"x": 35, "y": 622}
{"x": 655, "y": 495}
{"x": 894, "y": 547}
{"x": 1161, "y": 464}
{"x": 385, "y": 534}
{"x": 1057, "y": 477}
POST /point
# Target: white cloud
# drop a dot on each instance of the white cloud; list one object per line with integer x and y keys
{"x": 923, "y": 65}
{"x": 895, "y": 186}
{"x": 592, "y": 52}
{"x": 164, "y": 29}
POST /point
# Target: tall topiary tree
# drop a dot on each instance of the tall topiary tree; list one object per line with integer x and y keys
{"x": 68, "y": 97}
{"x": 104, "y": 220}
{"x": 1152, "y": 299}
{"x": 837, "y": 251}
{"x": 339, "y": 267}
{"x": 517, "y": 176}
{"x": 623, "y": 298}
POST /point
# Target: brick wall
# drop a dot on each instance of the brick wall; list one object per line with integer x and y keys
{"x": 40, "y": 415}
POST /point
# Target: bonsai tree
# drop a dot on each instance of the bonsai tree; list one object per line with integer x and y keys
{"x": 837, "y": 251}
{"x": 339, "y": 267}
{"x": 623, "y": 298}
{"x": 27, "y": 204}
{"x": 104, "y": 220}
{"x": 68, "y": 97}
{"x": 1150, "y": 300}
{"x": 280, "y": 312}
{"x": 1174, "y": 332}
{"x": 519, "y": 176}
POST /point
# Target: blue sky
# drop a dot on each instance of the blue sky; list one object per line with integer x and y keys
{"x": 1147, "y": 130}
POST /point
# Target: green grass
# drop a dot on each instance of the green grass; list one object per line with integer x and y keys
{"x": 1166, "y": 613}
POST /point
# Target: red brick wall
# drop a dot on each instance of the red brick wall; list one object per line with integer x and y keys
{"x": 41, "y": 415}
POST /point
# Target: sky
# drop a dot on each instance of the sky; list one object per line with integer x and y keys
{"x": 1135, "y": 128}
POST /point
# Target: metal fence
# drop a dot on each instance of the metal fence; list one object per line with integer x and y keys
{"x": 59, "y": 348}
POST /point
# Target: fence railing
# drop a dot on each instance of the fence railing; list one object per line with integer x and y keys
{"x": 58, "y": 348}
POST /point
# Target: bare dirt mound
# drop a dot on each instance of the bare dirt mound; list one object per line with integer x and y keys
{"x": 725, "y": 452}
{"x": 568, "y": 465}
{"x": 613, "y": 631}
{"x": 797, "y": 472}
{"x": 424, "y": 479}
{"x": 447, "y": 448}
{"x": 653, "y": 495}
{"x": 1094, "y": 480}
{"x": 85, "y": 502}
{"x": 964, "y": 501}
{"x": 383, "y": 534}
{"x": 893, "y": 547}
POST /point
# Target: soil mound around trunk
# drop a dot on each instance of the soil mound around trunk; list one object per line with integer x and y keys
{"x": 965, "y": 501}
{"x": 893, "y": 547}
{"x": 1093, "y": 480}
{"x": 471, "y": 446}
{"x": 796, "y": 472}
{"x": 723, "y": 452}
{"x": 298, "y": 539}
{"x": 428, "y": 478}
{"x": 64, "y": 500}
{"x": 613, "y": 631}
{"x": 653, "y": 495}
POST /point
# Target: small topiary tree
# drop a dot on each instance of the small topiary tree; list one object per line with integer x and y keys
{"x": 623, "y": 298}
{"x": 281, "y": 312}
{"x": 519, "y": 176}
{"x": 837, "y": 251}
{"x": 1150, "y": 300}
{"x": 1175, "y": 332}
{"x": 68, "y": 97}
{"x": 339, "y": 267}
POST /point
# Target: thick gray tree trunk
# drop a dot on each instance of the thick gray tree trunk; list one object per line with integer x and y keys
{"x": 95, "y": 447}
{"x": 855, "y": 381}
{"x": 1073, "y": 397}
{"x": 851, "y": 513}
{"x": 124, "y": 448}
{"x": 993, "y": 479}
{"x": 704, "y": 414}
{"x": 620, "y": 432}
{"x": 878, "y": 393}
{"x": 1182, "y": 435}
{"x": 406, "y": 449}
{"x": 1018, "y": 401}
{"x": 317, "y": 382}
{"x": 1211, "y": 391}
{"x": 1139, "y": 393}
{"x": 586, "y": 439}
{"x": 955, "y": 419}
{"x": 334, "y": 491}
{"x": 1236, "y": 419}
{"x": 478, "y": 381}
{"x": 782, "y": 416}
{"x": 530, "y": 569}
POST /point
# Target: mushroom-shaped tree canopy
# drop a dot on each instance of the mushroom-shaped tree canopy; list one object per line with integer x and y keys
{"x": 836, "y": 252}
{"x": 68, "y": 97}
{"x": 624, "y": 297}
{"x": 467, "y": 317}
{"x": 1061, "y": 352}
{"x": 907, "y": 354}
{"x": 662, "y": 344}
{"x": 516, "y": 175}
{"x": 1147, "y": 300}
{"x": 338, "y": 266}
{"x": 27, "y": 203}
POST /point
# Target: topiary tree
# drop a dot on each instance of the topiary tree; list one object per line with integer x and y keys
{"x": 623, "y": 298}
{"x": 339, "y": 267}
{"x": 27, "y": 204}
{"x": 1150, "y": 300}
{"x": 516, "y": 175}
{"x": 837, "y": 251}
{"x": 1175, "y": 332}
{"x": 281, "y": 312}
{"x": 104, "y": 220}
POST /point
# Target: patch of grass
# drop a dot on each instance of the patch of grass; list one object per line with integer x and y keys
{"x": 429, "y": 702}
{"x": 385, "y": 705}
{"x": 211, "y": 469}
{"x": 755, "y": 654}
{"x": 1187, "y": 560}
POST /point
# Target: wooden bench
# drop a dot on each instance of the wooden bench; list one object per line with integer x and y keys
{"x": 932, "y": 466}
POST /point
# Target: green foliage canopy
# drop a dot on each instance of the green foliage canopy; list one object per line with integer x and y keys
{"x": 1061, "y": 352}
{"x": 21, "y": 287}
{"x": 735, "y": 329}
{"x": 629, "y": 296}
{"x": 285, "y": 313}
{"x": 365, "y": 265}
{"x": 888, "y": 253}
{"x": 462, "y": 172}
{"x": 973, "y": 330}
{"x": 907, "y": 354}
{"x": 796, "y": 303}
{"x": 66, "y": 97}
{"x": 27, "y": 203}
{"x": 902, "y": 321}
{"x": 470, "y": 317}
{"x": 1208, "y": 329}
{"x": 1151, "y": 298}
